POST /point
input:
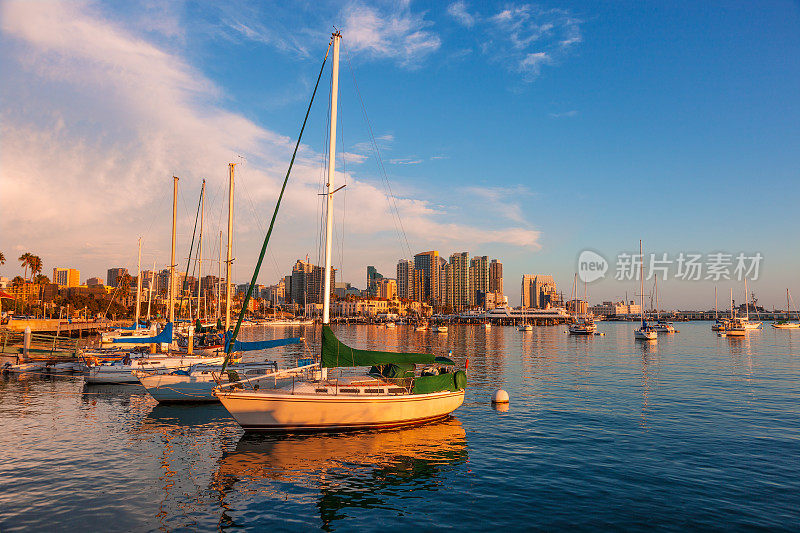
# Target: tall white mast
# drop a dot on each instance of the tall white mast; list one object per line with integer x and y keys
{"x": 326, "y": 299}
{"x": 331, "y": 171}
{"x": 219, "y": 276}
{"x": 172, "y": 254}
{"x": 715, "y": 303}
{"x": 228, "y": 259}
{"x": 150, "y": 295}
{"x": 746, "y": 310}
{"x": 138, "y": 286}
{"x": 200, "y": 247}
{"x": 641, "y": 276}
{"x": 731, "y": 302}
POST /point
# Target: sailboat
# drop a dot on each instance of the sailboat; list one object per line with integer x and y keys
{"x": 719, "y": 323}
{"x": 583, "y": 325}
{"x": 645, "y": 332}
{"x": 123, "y": 370}
{"x": 785, "y": 324}
{"x": 661, "y": 326}
{"x": 746, "y": 320}
{"x": 735, "y": 327}
{"x": 400, "y": 389}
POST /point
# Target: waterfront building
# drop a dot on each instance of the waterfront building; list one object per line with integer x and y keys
{"x": 446, "y": 285}
{"x": 459, "y": 271}
{"x": 307, "y": 283}
{"x": 387, "y": 288}
{"x": 428, "y": 263}
{"x": 114, "y": 274}
{"x": 94, "y": 282}
{"x": 496, "y": 276}
{"x": 538, "y": 291}
{"x": 616, "y": 309}
{"x": 66, "y": 277}
{"x": 405, "y": 278}
{"x": 579, "y": 307}
{"x": 373, "y": 276}
{"x": 478, "y": 280}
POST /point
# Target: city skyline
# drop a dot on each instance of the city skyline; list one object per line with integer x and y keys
{"x": 535, "y": 189}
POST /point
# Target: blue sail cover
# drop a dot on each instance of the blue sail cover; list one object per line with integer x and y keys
{"x": 165, "y": 337}
{"x": 242, "y": 346}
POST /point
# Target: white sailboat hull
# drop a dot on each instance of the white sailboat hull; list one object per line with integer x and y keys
{"x": 260, "y": 411}
{"x": 645, "y": 335}
{"x": 119, "y": 373}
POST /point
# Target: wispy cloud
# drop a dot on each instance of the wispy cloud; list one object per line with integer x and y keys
{"x": 565, "y": 114}
{"x": 397, "y": 33}
{"x": 458, "y": 10}
{"x": 96, "y": 120}
{"x": 503, "y": 201}
{"x": 524, "y": 37}
{"x": 405, "y": 161}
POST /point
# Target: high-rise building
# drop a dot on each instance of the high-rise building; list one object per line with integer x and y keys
{"x": 538, "y": 291}
{"x": 114, "y": 274}
{"x": 478, "y": 279}
{"x": 496, "y": 276}
{"x": 66, "y": 277}
{"x": 428, "y": 263}
{"x": 307, "y": 283}
{"x": 387, "y": 288}
{"x": 459, "y": 267}
{"x": 94, "y": 282}
{"x": 405, "y": 279}
{"x": 372, "y": 280}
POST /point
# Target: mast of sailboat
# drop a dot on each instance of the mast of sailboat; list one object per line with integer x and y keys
{"x": 138, "y": 286}
{"x": 150, "y": 295}
{"x": 746, "y": 309}
{"x": 655, "y": 288}
{"x": 326, "y": 299}
{"x": 731, "y": 303}
{"x": 219, "y": 277}
{"x": 641, "y": 278}
{"x": 172, "y": 253}
{"x": 228, "y": 259}
{"x": 715, "y": 303}
{"x": 200, "y": 247}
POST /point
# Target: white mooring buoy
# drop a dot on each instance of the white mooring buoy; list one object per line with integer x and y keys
{"x": 500, "y": 396}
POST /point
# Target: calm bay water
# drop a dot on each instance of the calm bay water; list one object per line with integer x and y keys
{"x": 696, "y": 431}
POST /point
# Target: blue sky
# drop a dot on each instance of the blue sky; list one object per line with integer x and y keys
{"x": 522, "y": 131}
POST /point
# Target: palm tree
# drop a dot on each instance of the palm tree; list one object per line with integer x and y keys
{"x": 36, "y": 265}
{"x": 25, "y": 260}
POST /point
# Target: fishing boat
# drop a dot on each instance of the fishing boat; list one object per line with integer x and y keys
{"x": 645, "y": 332}
{"x": 421, "y": 327}
{"x": 399, "y": 389}
{"x": 786, "y": 324}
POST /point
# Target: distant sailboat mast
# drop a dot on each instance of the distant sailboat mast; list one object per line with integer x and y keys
{"x": 228, "y": 259}
{"x": 172, "y": 253}
{"x": 138, "y": 286}
{"x": 200, "y": 247}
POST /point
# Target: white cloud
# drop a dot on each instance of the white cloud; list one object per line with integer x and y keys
{"x": 458, "y": 10}
{"x": 397, "y": 33}
{"x": 95, "y": 121}
{"x": 525, "y": 37}
{"x": 566, "y": 114}
{"x": 405, "y": 161}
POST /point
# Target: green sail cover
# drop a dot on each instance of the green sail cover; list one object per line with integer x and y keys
{"x": 336, "y": 353}
{"x": 443, "y": 382}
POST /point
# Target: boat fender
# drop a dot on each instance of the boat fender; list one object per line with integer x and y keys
{"x": 460, "y": 380}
